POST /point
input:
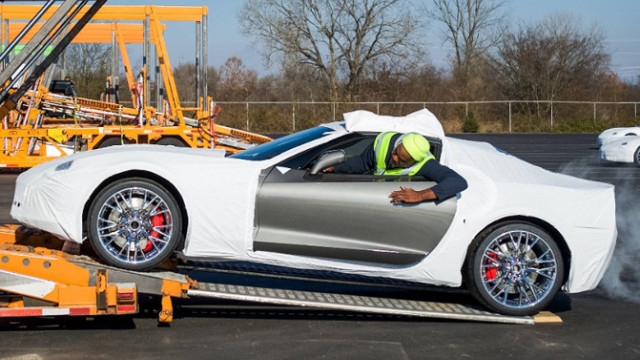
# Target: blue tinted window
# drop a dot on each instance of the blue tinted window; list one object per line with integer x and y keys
{"x": 283, "y": 144}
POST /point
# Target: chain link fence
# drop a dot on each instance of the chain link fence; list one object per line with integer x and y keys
{"x": 504, "y": 116}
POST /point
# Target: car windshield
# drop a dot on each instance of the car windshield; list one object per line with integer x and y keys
{"x": 280, "y": 145}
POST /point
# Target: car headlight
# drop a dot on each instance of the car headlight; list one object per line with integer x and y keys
{"x": 64, "y": 166}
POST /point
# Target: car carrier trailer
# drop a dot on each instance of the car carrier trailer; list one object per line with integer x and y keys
{"x": 41, "y": 120}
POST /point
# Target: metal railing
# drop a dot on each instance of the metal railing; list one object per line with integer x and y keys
{"x": 510, "y": 114}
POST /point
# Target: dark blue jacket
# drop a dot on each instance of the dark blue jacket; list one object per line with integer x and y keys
{"x": 449, "y": 182}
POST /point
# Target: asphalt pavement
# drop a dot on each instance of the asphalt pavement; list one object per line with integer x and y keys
{"x": 601, "y": 324}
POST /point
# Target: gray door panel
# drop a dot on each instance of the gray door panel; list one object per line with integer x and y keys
{"x": 348, "y": 217}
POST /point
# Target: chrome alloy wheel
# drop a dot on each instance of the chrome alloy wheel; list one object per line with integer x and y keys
{"x": 134, "y": 225}
{"x": 518, "y": 269}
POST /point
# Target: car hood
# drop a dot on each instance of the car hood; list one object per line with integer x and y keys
{"x": 612, "y": 131}
{"x": 629, "y": 140}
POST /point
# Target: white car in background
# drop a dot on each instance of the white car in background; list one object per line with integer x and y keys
{"x": 614, "y": 134}
{"x": 625, "y": 149}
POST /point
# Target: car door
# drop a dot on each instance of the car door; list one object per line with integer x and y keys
{"x": 346, "y": 216}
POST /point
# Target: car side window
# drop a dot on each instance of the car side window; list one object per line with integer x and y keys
{"x": 352, "y": 144}
{"x": 358, "y": 147}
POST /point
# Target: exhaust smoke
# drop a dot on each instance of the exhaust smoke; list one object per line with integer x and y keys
{"x": 622, "y": 278}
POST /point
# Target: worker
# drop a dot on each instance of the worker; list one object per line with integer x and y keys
{"x": 406, "y": 154}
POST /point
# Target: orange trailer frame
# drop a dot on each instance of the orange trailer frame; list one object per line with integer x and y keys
{"x": 17, "y": 143}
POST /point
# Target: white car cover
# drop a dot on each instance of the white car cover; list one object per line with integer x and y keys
{"x": 56, "y": 204}
{"x": 219, "y": 195}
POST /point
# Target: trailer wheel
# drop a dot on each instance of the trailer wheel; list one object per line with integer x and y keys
{"x": 112, "y": 141}
{"x": 171, "y": 141}
{"x": 134, "y": 224}
{"x": 514, "y": 269}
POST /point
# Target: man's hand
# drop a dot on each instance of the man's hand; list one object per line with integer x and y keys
{"x": 410, "y": 196}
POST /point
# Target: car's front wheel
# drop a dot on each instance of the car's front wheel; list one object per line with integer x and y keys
{"x": 636, "y": 157}
{"x": 134, "y": 224}
{"x": 515, "y": 269}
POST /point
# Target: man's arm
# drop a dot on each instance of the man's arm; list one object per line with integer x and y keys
{"x": 449, "y": 184}
{"x": 410, "y": 196}
{"x": 358, "y": 164}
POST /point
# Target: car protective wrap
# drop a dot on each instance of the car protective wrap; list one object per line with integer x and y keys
{"x": 219, "y": 195}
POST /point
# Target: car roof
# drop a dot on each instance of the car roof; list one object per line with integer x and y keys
{"x": 421, "y": 122}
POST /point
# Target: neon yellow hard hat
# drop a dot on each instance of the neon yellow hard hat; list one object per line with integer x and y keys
{"x": 416, "y": 145}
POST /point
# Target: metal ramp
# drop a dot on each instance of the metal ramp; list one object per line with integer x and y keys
{"x": 151, "y": 283}
{"x": 75, "y": 286}
{"x": 365, "y": 304}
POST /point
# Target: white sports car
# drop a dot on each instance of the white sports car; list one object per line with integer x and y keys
{"x": 515, "y": 237}
{"x": 625, "y": 149}
{"x": 613, "y": 134}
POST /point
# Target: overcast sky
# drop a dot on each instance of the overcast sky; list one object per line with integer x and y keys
{"x": 618, "y": 19}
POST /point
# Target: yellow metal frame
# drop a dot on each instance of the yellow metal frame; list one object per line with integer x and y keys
{"x": 55, "y": 131}
{"x": 91, "y": 33}
{"x": 126, "y": 13}
{"x": 125, "y": 33}
{"x": 165, "y": 65}
{"x": 71, "y": 282}
{"x": 121, "y": 39}
{"x": 60, "y": 133}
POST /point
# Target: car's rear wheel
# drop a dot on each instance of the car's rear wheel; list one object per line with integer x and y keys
{"x": 514, "y": 269}
{"x": 636, "y": 157}
{"x": 134, "y": 224}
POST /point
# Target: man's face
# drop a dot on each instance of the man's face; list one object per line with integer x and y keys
{"x": 400, "y": 158}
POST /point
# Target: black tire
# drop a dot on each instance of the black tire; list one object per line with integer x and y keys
{"x": 636, "y": 157}
{"x": 171, "y": 141}
{"x": 522, "y": 282}
{"x": 134, "y": 224}
{"x": 111, "y": 141}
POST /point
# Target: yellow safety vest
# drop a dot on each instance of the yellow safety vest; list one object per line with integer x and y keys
{"x": 381, "y": 148}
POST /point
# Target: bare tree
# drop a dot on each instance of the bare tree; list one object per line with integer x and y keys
{"x": 301, "y": 82}
{"x": 236, "y": 82}
{"x": 185, "y": 78}
{"x": 88, "y": 66}
{"x": 546, "y": 60}
{"x": 338, "y": 38}
{"x": 472, "y": 27}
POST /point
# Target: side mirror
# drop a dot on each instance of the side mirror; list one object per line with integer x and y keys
{"x": 327, "y": 159}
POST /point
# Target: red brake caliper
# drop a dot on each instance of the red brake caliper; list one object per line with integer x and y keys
{"x": 491, "y": 271}
{"x": 156, "y": 220}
